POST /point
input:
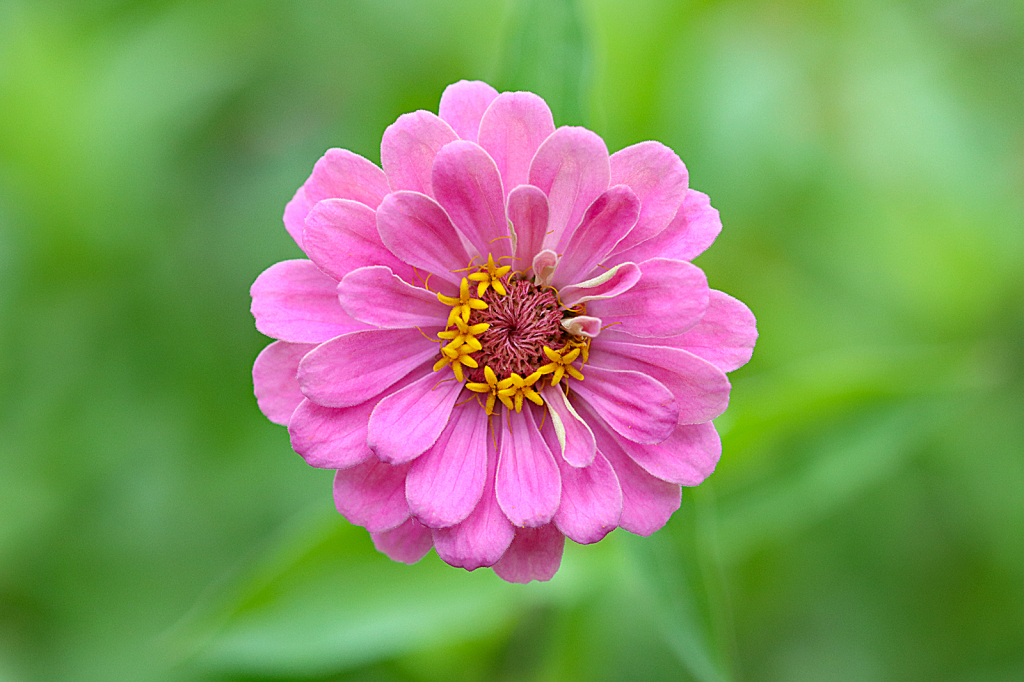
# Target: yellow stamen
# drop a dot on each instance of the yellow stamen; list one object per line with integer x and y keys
{"x": 490, "y": 388}
{"x": 456, "y": 358}
{"x": 463, "y": 334}
{"x": 490, "y": 276}
{"x": 463, "y": 305}
{"x": 512, "y": 390}
{"x": 561, "y": 363}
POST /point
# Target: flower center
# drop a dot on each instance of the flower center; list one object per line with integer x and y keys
{"x": 520, "y": 324}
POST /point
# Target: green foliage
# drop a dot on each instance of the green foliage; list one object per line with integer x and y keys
{"x": 864, "y": 522}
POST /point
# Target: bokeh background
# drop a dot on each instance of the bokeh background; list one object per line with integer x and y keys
{"x": 866, "y": 520}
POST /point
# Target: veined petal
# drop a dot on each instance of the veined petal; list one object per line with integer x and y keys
{"x": 608, "y": 284}
{"x": 528, "y": 213}
{"x": 535, "y": 554}
{"x": 701, "y": 390}
{"x": 484, "y": 536}
{"x": 353, "y": 368}
{"x": 408, "y": 421}
{"x": 446, "y": 482}
{"x": 725, "y": 336}
{"x": 408, "y": 148}
{"x": 372, "y": 495}
{"x": 407, "y": 543}
{"x": 341, "y": 236}
{"x": 467, "y": 185}
{"x": 635, "y": 405}
{"x": 670, "y": 297}
{"x": 295, "y": 212}
{"x": 647, "y": 502}
{"x": 274, "y": 379}
{"x": 573, "y": 436}
{"x": 686, "y": 457}
{"x": 375, "y": 295}
{"x": 571, "y": 167}
{"x": 591, "y": 501}
{"x": 694, "y": 228}
{"x": 417, "y": 230}
{"x": 341, "y": 174}
{"x": 659, "y": 178}
{"x": 527, "y": 483}
{"x": 513, "y": 127}
{"x": 294, "y": 301}
{"x": 607, "y": 220}
{"x": 463, "y": 105}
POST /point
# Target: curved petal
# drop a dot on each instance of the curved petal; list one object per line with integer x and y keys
{"x": 417, "y": 230}
{"x": 294, "y": 301}
{"x": 694, "y": 229}
{"x": 582, "y": 325}
{"x": 375, "y": 295}
{"x": 446, "y": 482}
{"x": 647, "y": 502}
{"x": 468, "y": 187}
{"x": 659, "y": 178}
{"x": 341, "y": 236}
{"x": 638, "y": 407}
{"x": 686, "y": 457}
{"x": 609, "y": 284}
{"x": 273, "y": 379}
{"x": 572, "y": 435}
{"x": 535, "y": 554}
{"x": 484, "y": 536}
{"x": 372, "y": 495}
{"x": 407, "y": 422}
{"x": 528, "y": 213}
{"x": 544, "y": 266}
{"x": 725, "y": 336}
{"x": 607, "y": 220}
{"x": 571, "y": 167}
{"x": 591, "y": 501}
{"x": 353, "y": 368}
{"x": 407, "y": 543}
{"x": 463, "y": 105}
{"x": 511, "y": 130}
{"x": 701, "y": 390}
{"x": 341, "y": 174}
{"x": 527, "y": 483}
{"x": 408, "y": 148}
{"x": 670, "y": 297}
{"x": 295, "y": 212}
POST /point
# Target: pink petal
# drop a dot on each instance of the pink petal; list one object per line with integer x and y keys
{"x": 468, "y": 187}
{"x": 572, "y": 435}
{"x": 340, "y": 174}
{"x": 544, "y": 266}
{"x": 295, "y": 212}
{"x": 607, "y": 220}
{"x": 484, "y": 536}
{"x": 527, "y": 484}
{"x": 659, "y": 179}
{"x": 535, "y": 554}
{"x": 417, "y": 230}
{"x": 408, "y": 148}
{"x": 591, "y": 501}
{"x": 647, "y": 502}
{"x": 528, "y": 212}
{"x": 407, "y": 422}
{"x": 725, "y": 336}
{"x": 341, "y": 235}
{"x": 670, "y": 297}
{"x": 375, "y": 295}
{"x": 608, "y": 284}
{"x": 355, "y": 367}
{"x": 293, "y": 301}
{"x": 512, "y": 128}
{"x": 273, "y": 379}
{"x": 701, "y": 390}
{"x": 463, "y": 105}
{"x": 407, "y": 543}
{"x": 372, "y": 495}
{"x": 686, "y": 457}
{"x": 693, "y": 230}
{"x": 582, "y": 325}
{"x": 446, "y": 482}
{"x": 638, "y": 407}
{"x": 571, "y": 167}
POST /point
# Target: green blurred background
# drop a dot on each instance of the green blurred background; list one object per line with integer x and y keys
{"x": 866, "y": 519}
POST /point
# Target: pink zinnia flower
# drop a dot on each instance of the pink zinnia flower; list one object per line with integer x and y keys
{"x": 498, "y": 340}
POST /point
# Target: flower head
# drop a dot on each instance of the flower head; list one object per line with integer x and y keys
{"x": 498, "y": 339}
